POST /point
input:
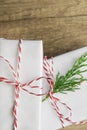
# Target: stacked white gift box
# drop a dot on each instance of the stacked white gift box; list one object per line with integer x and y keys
{"x": 29, "y": 108}
{"x": 75, "y": 100}
{"x": 32, "y": 113}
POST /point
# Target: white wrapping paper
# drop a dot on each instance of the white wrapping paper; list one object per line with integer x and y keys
{"x": 29, "y": 109}
{"x": 76, "y": 100}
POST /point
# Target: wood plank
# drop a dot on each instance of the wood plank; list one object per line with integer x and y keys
{"x": 59, "y": 35}
{"x": 76, "y": 127}
{"x": 26, "y": 9}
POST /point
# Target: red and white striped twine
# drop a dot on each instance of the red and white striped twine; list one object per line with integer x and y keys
{"x": 18, "y": 86}
{"x": 49, "y": 71}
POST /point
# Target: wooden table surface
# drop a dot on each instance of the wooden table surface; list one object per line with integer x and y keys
{"x": 61, "y": 24}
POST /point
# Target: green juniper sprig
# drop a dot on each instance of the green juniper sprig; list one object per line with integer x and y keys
{"x": 72, "y": 79}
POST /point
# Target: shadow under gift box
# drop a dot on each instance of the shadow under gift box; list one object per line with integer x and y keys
{"x": 77, "y": 100}
{"x": 29, "y": 108}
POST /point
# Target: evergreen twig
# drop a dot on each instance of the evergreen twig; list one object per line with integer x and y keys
{"x": 73, "y": 78}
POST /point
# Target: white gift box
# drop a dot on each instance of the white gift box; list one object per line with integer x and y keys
{"x": 77, "y": 100}
{"x": 29, "y": 109}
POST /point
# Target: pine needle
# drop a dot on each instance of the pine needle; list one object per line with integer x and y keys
{"x": 73, "y": 78}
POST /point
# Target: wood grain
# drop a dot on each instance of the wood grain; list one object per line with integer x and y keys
{"x": 58, "y": 35}
{"x": 77, "y": 127}
{"x": 61, "y": 24}
{"x": 26, "y": 9}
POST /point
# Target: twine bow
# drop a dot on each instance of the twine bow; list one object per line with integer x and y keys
{"x": 18, "y": 85}
{"x": 49, "y": 71}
